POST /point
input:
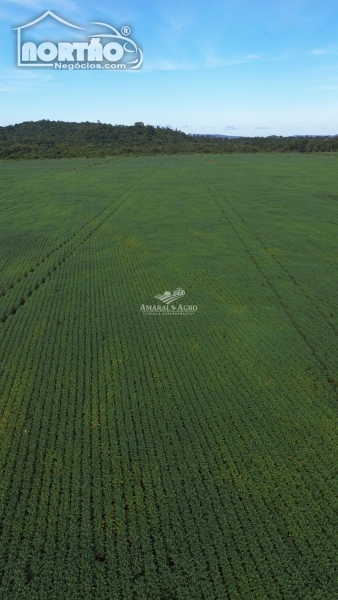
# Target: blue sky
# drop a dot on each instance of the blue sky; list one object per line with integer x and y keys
{"x": 236, "y": 67}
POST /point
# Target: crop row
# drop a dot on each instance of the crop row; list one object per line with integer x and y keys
{"x": 167, "y": 458}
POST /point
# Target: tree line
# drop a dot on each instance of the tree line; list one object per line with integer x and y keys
{"x": 59, "y": 139}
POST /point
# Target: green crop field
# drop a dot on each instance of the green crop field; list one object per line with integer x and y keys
{"x": 181, "y": 455}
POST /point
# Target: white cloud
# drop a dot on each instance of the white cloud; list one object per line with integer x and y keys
{"x": 170, "y": 65}
{"x": 41, "y": 4}
{"x": 28, "y": 3}
{"x": 9, "y": 9}
{"x": 213, "y": 62}
{"x": 327, "y": 88}
{"x": 23, "y": 81}
{"x": 210, "y": 62}
{"x": 262, "y": 127}
{"x": 319, "y": 52}
{"x": 231, "y": 128}
{"x": 15, "y": 90}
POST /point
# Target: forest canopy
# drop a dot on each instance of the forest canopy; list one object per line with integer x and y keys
{"x": 59, "y": 139}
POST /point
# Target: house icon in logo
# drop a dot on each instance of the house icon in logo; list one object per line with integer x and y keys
{"x": 20, "y": 62}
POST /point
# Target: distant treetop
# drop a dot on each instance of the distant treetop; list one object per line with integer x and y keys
{"x": 59, "y": 139}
